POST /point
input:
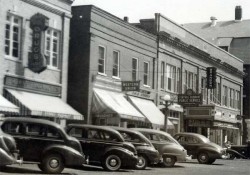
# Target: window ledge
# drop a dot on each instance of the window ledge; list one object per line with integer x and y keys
{"x": 117, "y": 78}
{"x": 103, "y": 74}
{"x": 53, "y": 68}
{"x": 147, "y": 86}
{"x": 13, "y": 59}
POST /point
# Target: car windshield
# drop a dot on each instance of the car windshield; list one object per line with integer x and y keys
{"x": 168, "y": 138}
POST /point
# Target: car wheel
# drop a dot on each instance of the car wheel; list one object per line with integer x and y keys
{"x": 52, "y": 163}
{"x": 203, "y": 158}
{"x": 112, "y": 162}
{"x": 169, "y": 161}
{"x": 141, "y": 163}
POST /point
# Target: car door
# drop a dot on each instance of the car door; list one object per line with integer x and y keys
{"x": 39, "y": 137}
{"x": 190, "y": 143}
{"x": 16, "y": 129}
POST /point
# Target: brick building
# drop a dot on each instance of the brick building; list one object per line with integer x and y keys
{"x": 104, "y": 52}
{"x": 183, "y": 58}
{"x": 34, "y": 59}
{"x": 234, "y": 37}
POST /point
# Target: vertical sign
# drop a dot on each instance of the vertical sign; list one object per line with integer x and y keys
{"x": 211, "y": 77}
{"x": 37, "y": 62}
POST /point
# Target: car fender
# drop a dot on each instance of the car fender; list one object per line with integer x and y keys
{"x": 209, "y": 150}
{"x": 70, "y": 155}
{"x": 119, "y": 150}
{"x": 5, "y": 158}
{"x": 231, "y": 151}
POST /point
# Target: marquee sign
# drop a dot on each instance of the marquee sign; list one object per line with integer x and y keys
{"x": 37, "y": 61}
{"x": 190, "y": 98}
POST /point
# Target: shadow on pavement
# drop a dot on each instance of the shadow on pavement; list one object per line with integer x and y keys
{"x": 97, "y": 168}
{"x": 202, "y": 164}
{"x": 22, "y": 170}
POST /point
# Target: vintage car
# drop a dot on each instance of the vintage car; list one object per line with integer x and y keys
{"x": 8, "y": 150}
{"x": 104, "y": 146}
{"x": 169, "y": 149}
{"x": 45, "y": 143}
{"x": 147, "y": 154}
{"x": 200, "y": 147}
{"x": 239, "y": 151}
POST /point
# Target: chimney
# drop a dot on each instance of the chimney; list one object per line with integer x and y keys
{"x": 238, "y": 13}
{"x": 125, "y": 18}
{"x": 213, "y": 21}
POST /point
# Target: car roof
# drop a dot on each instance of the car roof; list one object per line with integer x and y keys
{"x": 150, "y": 130}
{"x": 106, "y": 128}
{"x": 189, "y": 134}
{"x": 31, "y": 120}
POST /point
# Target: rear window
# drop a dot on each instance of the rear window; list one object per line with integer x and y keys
{"x": 13, "y": 128}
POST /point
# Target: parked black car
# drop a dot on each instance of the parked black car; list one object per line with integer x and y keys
{"x": 169, "y": 149}
{"x": 239, "y": 151}
{"x": 8, "y": 150}
{"x": 104, "y": 146}
{"x": 200, "y": 147}
{"x": 45, "y": 143}
{"x": 147, "y": 154}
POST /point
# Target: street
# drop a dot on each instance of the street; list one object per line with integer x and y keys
{"x": 220, "y": 167}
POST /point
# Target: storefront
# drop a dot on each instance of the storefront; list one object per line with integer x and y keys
{"x": 37, "y": 99}
{"x": 213, "y": 122}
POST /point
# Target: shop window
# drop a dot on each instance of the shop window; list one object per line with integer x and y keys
{"x": 146, "y": 74}
{"x": 134, "y": 69}
{"x": 52, "y": 47}
{"x": 12, "y": 36}
{"x": 101, "y": 60}
{"x": 116, "y": 64}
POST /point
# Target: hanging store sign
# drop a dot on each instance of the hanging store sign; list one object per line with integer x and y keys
{"x": 130, "y": 85}
{"x": 211, "y": 77}
{"x": 37, "y": 61}
{"x": 190, "y": 98}
{"x": 200, "y": 123}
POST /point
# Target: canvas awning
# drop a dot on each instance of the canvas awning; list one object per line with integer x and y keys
{"x": 150, "y": 111}
{"x": 108, "y": 102}
{"x": 7, "y": 107}
{"x": 43, "y": 105}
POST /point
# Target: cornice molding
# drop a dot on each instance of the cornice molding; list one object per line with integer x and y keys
{"x": 178, "y": 43}
{"x": 46, "y": 7}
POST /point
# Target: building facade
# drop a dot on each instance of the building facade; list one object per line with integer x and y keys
{"x": 234, "y": 37}
{"x": 183, "y": 59}
{"x": 34, "y": 59}
{"x": 106, "y": 54}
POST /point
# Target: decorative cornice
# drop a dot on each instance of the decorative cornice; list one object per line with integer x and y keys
{"x": 46, "y": 7}
{"x": 178, "y": 43}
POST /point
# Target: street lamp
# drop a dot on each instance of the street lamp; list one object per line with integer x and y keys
{"x": 168, "y": 102}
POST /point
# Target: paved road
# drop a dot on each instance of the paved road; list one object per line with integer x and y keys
{"x": 220, "y": 167}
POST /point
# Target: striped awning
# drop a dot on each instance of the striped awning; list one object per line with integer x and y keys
{"x": 7, "y": 107}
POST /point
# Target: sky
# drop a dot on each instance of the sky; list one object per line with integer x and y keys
{"x": 180, "y": 11}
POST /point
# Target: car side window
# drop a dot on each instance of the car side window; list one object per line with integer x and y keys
{"x": 53, "y": 133}
{"x": 93, "y": 134}
{"x": 76, "y": 132}
{"x": 191, "y": 140}
{"x": 164, "y": 138}
{"x": 109, "y": 136}
{"x": 33, "y": 129}
{"x": 130, "y": 137}
{"x": 14, "y": 128}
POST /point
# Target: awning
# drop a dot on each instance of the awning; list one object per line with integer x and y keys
{"x": 150, "y": 111}
{"x": 43, "y": 105}
{"x": 7, "y": 107}
{"x": 176, "y": 107}
{"x": 108, "y": 102}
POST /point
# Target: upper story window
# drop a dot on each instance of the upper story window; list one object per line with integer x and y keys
{"x": 162, "y": 74}
{"x": 232, "y": 96}
{"x": 116, "y": 64}
{"x": 12, "y": 36}
{"x": 237, "y": 99}
{"x": 146, "y": 73}
{"x": 101, "y": 60}
{"x": 134, "y": 69}
{"x": 203, "y": 88}
{"x": 52, "y": 47}
{"x": 225, "y": 94}
{"x": 178, "y": 80}
{"x": 171, "y": 78}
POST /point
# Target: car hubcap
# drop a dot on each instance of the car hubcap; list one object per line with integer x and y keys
{"x": 168, "y": 160}
{"x": 113, "y": 162}
{"x": 54, "y": 163}
{"x": 203, "y": 157}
